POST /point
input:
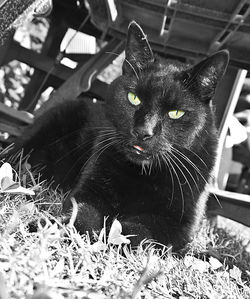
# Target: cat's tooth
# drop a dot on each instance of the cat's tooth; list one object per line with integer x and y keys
{"x": 138, "y": 148}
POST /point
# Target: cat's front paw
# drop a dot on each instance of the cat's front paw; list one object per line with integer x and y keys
{"x": 84, "y": 216}
{"x": 137, "y": 231}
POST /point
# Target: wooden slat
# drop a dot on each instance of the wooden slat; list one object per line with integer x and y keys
{"x": 46, "y": 64}
{"x": 10, "y": 129}
{"x": 2, "y": 2}
{"x": 39, "y": 61}
{"x": 234, "y": 206}
{"x": 11, "y": 115}
{"x": 81, "y": 80}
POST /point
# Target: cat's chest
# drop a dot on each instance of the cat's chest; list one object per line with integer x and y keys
{"x": 130, "y": 188}
{"x": 127, "y": 188}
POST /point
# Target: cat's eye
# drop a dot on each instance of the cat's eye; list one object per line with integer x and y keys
{"x": 133, "y": 99}
{"x": 175, "y": 114}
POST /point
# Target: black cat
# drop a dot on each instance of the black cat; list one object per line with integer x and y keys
{"x": 146, "y": 155}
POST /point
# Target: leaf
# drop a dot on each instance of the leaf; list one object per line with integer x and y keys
{"x": 19, "y": 190}
{"x": 195, "y": 264}
{"x": 235, "y": 273}
{"x": 6, "y": 171}
{"x": 188, "y": 261}
{"x": 115, "y": 234}
{"x": 44, "y": 294}
{"x": 98, "y": 246}
{"x": 151, "y": 271}
{"x": 215, "y": 263}
{"x": 13, "y": 223}
{"x": 3, "y": 288}
{"x": 7, "y": 185}
{"x": 200, "y": 266}
{"x": 28, "y": 208}
{"x": 59, "y": 268}
{"x": 95, "y": 295}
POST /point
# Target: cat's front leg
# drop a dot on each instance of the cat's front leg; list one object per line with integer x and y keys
{"x": 156, "y": 228}
{"x": 90, "y": 211}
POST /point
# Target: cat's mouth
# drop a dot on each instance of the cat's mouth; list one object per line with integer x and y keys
{"x": 138, "y": 153}
{"x": 139, "y": 150}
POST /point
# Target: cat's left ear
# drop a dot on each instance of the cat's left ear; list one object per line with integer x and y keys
{"x": 207, "y": 73}
{"x": 138, "y": 52}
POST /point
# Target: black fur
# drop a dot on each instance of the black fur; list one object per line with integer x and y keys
{"x": 135, "y": 162}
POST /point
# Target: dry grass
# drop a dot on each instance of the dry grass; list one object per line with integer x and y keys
{"x": 56, "y": 262}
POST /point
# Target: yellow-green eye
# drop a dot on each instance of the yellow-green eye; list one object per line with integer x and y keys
{"x": 175, "y": 114}
{"x": 133, "y": 99}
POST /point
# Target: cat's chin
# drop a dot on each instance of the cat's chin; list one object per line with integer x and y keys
{"x": 139, "y": 160}
{"x": 138, "y": 157}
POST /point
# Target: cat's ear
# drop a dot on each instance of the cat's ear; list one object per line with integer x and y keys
{"x": 138, "y": 52}
{"x": 207, "y": 73}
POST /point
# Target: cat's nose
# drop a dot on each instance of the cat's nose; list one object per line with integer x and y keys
{"x": 142, "y": 133}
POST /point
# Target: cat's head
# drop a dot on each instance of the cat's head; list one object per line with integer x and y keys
{"x": 157, "y": 105}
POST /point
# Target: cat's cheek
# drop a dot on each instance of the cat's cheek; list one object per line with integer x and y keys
{"x": 197, "y": 132}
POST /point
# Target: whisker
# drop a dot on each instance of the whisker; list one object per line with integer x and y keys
{"x": 183, "y": 165}
{"x": 191, "y": 163}
{"x": 85, "y": 143}
{"x": 105, "y": 147}
{"x": 90, "y": 149}
{"x": 179, "y": 182}
{"x": 195, "y": 168}
{"x": 184, "y": 176}
{"x": 76, "y": 132}
{"x": 169, "y": 165}
{"x": 158, "y": 162}
{"x": 150, "y": 167}
{"x": 105, "y": 140}
{"x": 143, "y": 168}
{"x": 202, "y": 161}
{"x": 85, "y": 162}
{"x": 74, "y": 150}
{"x": 97, "y": 145}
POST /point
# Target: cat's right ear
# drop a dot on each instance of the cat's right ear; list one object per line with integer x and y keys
{"x": 138, "y": 52}
{"x": 205, "y": 75}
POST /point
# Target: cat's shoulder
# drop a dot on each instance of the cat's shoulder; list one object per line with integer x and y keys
{"x": 61, "y": 118}
{"x": 69, "y": 112}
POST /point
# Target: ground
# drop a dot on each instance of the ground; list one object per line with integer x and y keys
{"x": 56, "y": 262}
